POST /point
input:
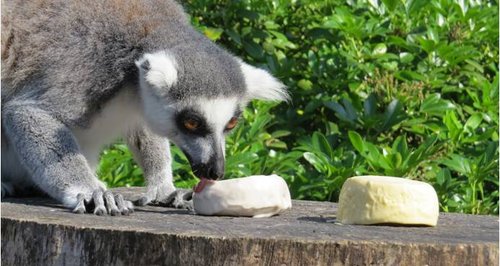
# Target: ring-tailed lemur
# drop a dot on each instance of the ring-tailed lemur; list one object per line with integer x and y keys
{"x": 78, "y": 74}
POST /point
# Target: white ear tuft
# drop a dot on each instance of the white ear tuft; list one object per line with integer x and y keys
{"x": 159, "y": 69}
{"x": 262, "y": 85}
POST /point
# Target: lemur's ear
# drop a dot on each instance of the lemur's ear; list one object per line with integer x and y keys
{"x": 262, "y": 85}
{"x": 158, "y": 69}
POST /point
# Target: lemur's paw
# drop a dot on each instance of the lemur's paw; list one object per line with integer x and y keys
{"x": 103, "y": 202}
{"x": 155, "y": 195}
{"x": 180, "y": 199}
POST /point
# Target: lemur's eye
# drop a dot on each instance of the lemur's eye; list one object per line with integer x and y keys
{"x": 191, "y": 124}
{"x": 232, "y": 123}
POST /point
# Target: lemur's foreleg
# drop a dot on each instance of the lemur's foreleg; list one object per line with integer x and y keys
{"x": 152, "y": 152}
{"x": 50, "y": 154}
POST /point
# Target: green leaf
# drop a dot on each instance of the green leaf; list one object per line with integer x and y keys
{"x": 414, "y": 6}
{"x": 280, "y": 133}
{"x": 319, "y": 163}
{"x": 277, "y": 144}
{"x": 391, "y": 4}
{"x": 234, "y": 36}
{"x": 453, "y": 125}
{"x": 434, "y": 105}
{"x": 350, "y": 111}
{"x": 428, "y": 45}
{"x": 394, "y": 114}
{"x": 253, "y": 49}
{"x": 401, "y": 146}
{"x": 458, "y": 163}
{"x": 339, "y": 110}
{"x": 473, "y": 122}
{"x": 356, "y": 141}
{"x": 320, "y": 142}
{"x": 475, "y": 65}
{"x": 406, "y": 58}
{"x": 443, "y": 176}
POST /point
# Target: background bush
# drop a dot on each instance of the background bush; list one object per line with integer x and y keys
{"x": 402, "y": 88}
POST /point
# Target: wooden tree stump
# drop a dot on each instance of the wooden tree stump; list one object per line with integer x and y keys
{"x": 37, "y": 231}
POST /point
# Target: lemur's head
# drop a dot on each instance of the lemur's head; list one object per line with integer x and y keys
{"x": 195, "y": 97}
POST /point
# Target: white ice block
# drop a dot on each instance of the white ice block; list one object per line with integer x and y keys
{"x": 254, "y": 196}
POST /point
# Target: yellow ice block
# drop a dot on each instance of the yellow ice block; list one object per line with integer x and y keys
{"x": 384, "y": 199}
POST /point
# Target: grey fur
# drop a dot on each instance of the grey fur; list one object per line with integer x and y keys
{"x": 152, "y": 153}
{"x": 85, "y": 49}
{"x": 67, "y": 63}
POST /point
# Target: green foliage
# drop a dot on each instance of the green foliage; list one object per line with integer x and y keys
{"x": 403, "y": 88}
{"x": 117, "y": 167}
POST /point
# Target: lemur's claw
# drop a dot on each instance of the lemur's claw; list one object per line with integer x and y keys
{"x": 103, "y": 202}
{"x": 124, "y": 206}
{"x": 80, "y": 206}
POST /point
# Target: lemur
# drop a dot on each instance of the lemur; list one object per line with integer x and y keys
{"x": 78, "y": 74}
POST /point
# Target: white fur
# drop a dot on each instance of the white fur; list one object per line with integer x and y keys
{"x": 154, "y": 84}
{"x": 163, "y": 69}
{"x": 262, "y": 85}
{"x": 117, "y": 117}
{"x": 158, "y": 113}
{"x": 217, "y": 112}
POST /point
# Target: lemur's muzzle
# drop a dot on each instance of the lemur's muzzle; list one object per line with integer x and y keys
{"x": 213, "y": 169}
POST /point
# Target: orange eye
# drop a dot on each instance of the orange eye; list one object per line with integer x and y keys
{"x": 191, "y": 124}
{"x": 232, "y": 123}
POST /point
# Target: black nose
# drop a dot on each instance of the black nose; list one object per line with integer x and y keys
{"x": 213, "y": 169}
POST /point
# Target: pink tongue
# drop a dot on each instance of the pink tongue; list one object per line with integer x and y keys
{"x": 201, "y": 185}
